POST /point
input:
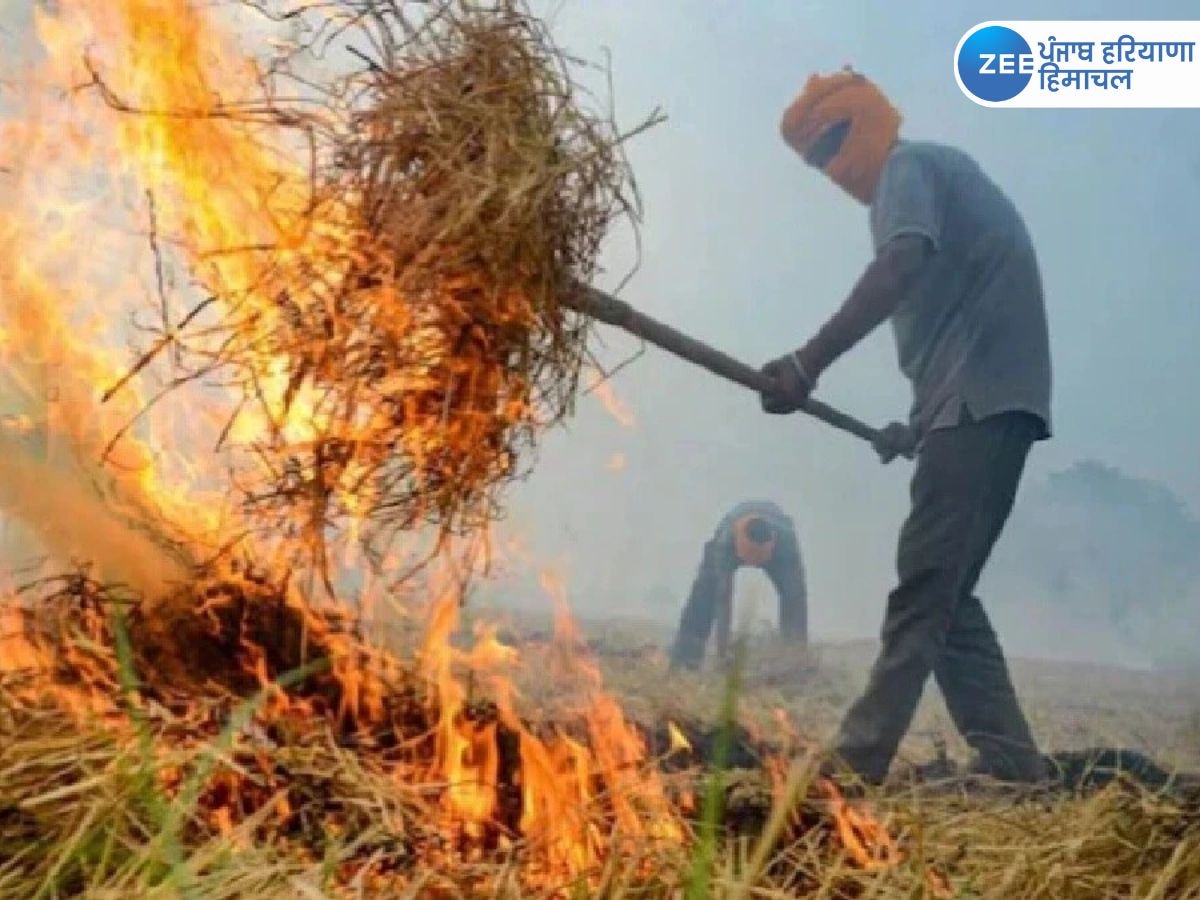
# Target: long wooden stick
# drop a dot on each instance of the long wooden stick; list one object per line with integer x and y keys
{"x": 608, "y": 309}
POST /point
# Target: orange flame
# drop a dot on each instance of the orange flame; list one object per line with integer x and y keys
{"x": 637, "y": 796}
{"x": 98, "y": 473}
{"x": 556, "y": 797}
{"x": 560, "y": 777}
{"x": 465, "y": 754}
{"x": 869, "y": 843}
{"x": 863, "y": 837}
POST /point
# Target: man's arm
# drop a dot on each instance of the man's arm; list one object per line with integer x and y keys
{"x": 786, "y": 572}
{"x": 874, "y": 298}
{"x": 713, "y": 581}
{"x": 906, "y": 227}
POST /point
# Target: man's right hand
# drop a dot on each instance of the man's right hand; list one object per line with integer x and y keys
{"x": 788, "y": 385}
{"x": 895, "y": 439}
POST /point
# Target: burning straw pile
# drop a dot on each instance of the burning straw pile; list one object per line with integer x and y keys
{"x": 403, "y": 336}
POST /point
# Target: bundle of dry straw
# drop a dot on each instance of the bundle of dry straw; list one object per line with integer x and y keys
{"x": 460, "y": 188}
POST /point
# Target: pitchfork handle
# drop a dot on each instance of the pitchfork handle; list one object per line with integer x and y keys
{"x": 608, "y": 309}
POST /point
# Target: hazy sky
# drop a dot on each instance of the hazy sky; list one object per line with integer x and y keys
{"x": 746, "y": 248}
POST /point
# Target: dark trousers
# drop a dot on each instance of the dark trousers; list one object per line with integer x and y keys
{"x": 962, "y": 492}
{"x": 711, "y": 601}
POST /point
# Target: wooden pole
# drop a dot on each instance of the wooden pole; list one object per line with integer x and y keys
{"x": 608, "y": 309}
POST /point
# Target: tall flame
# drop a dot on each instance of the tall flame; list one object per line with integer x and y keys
{"x": 89, "y": 470}
{"x": 566, "y": 782}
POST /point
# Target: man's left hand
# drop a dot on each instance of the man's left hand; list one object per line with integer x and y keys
{"x": 790, "y": 385}
{"x": 894, "y": 439}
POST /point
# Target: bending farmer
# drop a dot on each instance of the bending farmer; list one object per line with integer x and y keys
{"x": 755, "y": 533}
{"x": 955, "y": 272}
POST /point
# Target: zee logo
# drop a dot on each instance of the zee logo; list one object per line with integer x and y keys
{"x": 994, "y": 63}
{"x": 1006, "y": 64}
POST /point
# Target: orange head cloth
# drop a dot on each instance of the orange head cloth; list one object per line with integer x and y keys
{"x": 874, "y": 126}
{"x": 749, "y": 551}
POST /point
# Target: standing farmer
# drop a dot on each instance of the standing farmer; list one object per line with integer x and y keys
{"x": 955, "y": 272}
{"x": 759, "y": 534}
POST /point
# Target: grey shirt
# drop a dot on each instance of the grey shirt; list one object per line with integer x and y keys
{"x": 971, "y": 335}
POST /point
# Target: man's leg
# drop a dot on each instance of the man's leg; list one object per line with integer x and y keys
{"x": 695, "y": 625}
{"x": 971, "y": 671}
{"x": 787, "y": 575}
{"x": 954, "y": 521}
{"x": 974, "y": 680}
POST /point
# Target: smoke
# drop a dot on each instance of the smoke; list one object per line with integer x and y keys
{"x": 1100, "y": 565}
{"x": 66, "y": 515}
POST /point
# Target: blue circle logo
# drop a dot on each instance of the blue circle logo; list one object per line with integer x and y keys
{"x": 995, "y": 63}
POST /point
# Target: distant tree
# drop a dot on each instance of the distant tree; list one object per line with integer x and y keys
{"x": 1113, "y": 547}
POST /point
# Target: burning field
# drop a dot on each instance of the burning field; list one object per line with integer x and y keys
{"x": 280, "y": 318}
{"x": 144, "y": 762}
{"x": 355, "y": 774}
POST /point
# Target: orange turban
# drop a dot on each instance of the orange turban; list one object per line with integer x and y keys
{"x": 874, "y": 125}
{"x": 749, "y": 551}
